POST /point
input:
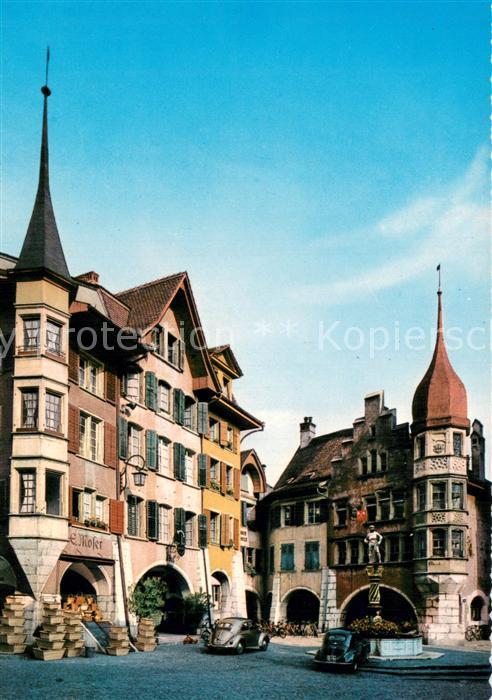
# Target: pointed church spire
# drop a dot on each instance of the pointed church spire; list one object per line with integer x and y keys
{"x": 42, "y": 249}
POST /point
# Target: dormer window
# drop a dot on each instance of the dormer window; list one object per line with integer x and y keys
{"x": 158, "y": 340}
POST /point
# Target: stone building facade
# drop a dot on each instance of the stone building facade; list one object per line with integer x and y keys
{"x": 422, "y": 486}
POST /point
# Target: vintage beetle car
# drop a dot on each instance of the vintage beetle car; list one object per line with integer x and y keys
{"x": 344, "y": 649}
{"x": 237, "y": 634}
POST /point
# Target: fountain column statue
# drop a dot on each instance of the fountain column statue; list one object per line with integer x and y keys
{"x": 374, "y": 571}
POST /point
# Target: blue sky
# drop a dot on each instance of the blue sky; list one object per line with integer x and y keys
{"x": 309, "y": 164}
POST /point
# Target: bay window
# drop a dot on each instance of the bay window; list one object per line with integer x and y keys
{"x": 53, "y": 337}
{"x": 439, "y": 542}
{"x": 32, "y": 327}
{"x": 439, "y": 495}
{"x": 53, "y": 412}
{"x": 30, "y": 408}
{"x": 27, "y": 491}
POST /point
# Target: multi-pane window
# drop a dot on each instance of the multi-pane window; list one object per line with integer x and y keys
{"x": 164, "y": 397}
{"x": 371, "y": 508}
{"x": 163, "y": 462}
{"x": 158, "y": 340}
{"x": 134, "y": 440}
{"x": 53, "y": 411}
{"x": 89, "y": 372}
{"x": 313, "y": 512}
{"x": 230, "y": 437}
{"x": 420, "y": 446}
{"x": 27, "y": 491}
{"x": 90, "y": 437}
{"x": 30, "y": 408}
{"x": 311, "y": 556}
{"x": 32, "y": 328}
{"x": 363, "y": 465}
{"x": 384, "y": 505}
{"x": 420, "y": 544}
{"x": 394, "y": 548}
{"x": 134, "y": 507}
{"x": 421, "y": 496}
{"x": 164, "y": 524}
{"x": 214, "y": 528}
{"x": 215, "y": 470}
{"x": 457, "y": 543}
{"x": 374, "y": 461}
{"x": 229, "y": 479}
{"x": 457, "y": 444}
{"x": 457, "y": 495}
{"x": 190, "y": 467}
{"x": 287, "y": 515}
{"x": 287, "y": 557}
{"x": 342, "y": 553}
{"x": 213, "y": 432}
{"x": 341, "y": 511}
{"x": 133, "y": 387}
{"x": 439, "y": 495}
{"x": 172, "y": 349}
{"x": 354, "y": 551}
{"x": 190, "y": 414}
{"x": 438, "y": 542}
{"x": 53, "y": 337}
{"x": 53, "y": 482}
{"x": 87, "y": 505}
{"x": 190, "y": 530}
{"x": 99, "y": 509}
{"x": 398, "y": 505}
{"x": 384, "y": 461}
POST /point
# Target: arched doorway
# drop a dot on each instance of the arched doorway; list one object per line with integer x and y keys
{"x": 302, "y": 606}
{"x": 221, "y": 594}
{"x": 253, "y": 606}
{"x": 394, "y": 606}
{"x": 84, "y": 588}
{"x": 177, "y": 588}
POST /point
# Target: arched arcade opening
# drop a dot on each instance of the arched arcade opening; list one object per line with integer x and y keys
{"x": 395, "y": 606}
{"x": 300, "y": 605}
{"x": 177, "y": 587}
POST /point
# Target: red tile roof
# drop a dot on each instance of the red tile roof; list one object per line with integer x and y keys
{"x": 147, "y": 301}
{"x": 117, "y": 311}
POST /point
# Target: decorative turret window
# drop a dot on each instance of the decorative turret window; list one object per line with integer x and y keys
{"x": 457, "y": 495}
{"x": 421, "y": 496}
{"x": 27, "y": 491}
{"x": 420, "y": 446}
{"x": 54, "y": 337}
{"x": 439, "y": 495}
{"x": 420, "y": 544}
{"x": 30, "y": 408}
{"x": 457, "y": 444}
{"x": 53, "y": 405}
{"x": 457, "y": 543}
{"x": 439, "y": 542}
{"x": 32, "y": 326}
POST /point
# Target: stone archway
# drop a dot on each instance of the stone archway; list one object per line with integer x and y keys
{"x": 253, "y": 605}
{"x": 86, "y": 580}
{"x": 300, "y": 605}
{"x": 177, "y": 588}
{"x": 395, "y": 606}
{"x": 221, "y": 594}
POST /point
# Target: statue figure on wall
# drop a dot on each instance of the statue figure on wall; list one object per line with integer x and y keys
{"x": 373, "y": 540}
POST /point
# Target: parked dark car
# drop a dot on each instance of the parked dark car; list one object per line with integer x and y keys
{"x": 237, "y": 634}
{"x": 344, "y": 649}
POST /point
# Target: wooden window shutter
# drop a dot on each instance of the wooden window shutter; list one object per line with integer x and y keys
{"x": 124, "y": 385}
{"x": 117, "y": 517}
{"x": 179, "y": 461}
{"x": 152, "y": 520}
{"x": 202, "y": 470}
{"x": 208, "y": 516}
{"x": 182, "y": 462}
{"x": 181, "y": 354}
{"x": 150, "y": 391}
{"x": 73, "y": 429}
{"x": 176, "y": 460}
{"x": 179, "y": 522}
{"x": 73, "y": 366}
{"x": 323, "y": 508}
{"x": 235, "y": 440}
{"x": 236, "y": 533}
{"x": 275, "y": 516}
{"x": 202, "y": 418}
{"x": 122, "y": 438}
{"x": 223, "y": 433}
{"x": 299, "y": 513}
{"x": 181, "y": 407}
{"x": 224, "y": 529}
{"x": 110, "y": 458}
{"x": 202, "y": 531}
{"x": 223, "y": 478}
{"x": 110, "y": 378}
{"x": 237, "y": 482}
{"x": 70, "y": 502}
{"x": 176, "y": 404}
{"x": 151, "y": 449}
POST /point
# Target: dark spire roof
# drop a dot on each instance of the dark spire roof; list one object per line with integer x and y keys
{"x": 42, "y": 249}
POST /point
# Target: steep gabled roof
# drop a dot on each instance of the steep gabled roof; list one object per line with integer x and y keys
{"x": 224, "y": 355}
{"x": 42, "y": 249}
{"x": 314, "y": 461}
{"x": 147, "y": 301}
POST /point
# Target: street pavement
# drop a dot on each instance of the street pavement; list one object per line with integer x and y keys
{"x": 186, "y": 673}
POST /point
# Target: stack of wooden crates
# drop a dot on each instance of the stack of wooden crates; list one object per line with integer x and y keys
{"x": 12, "y": 633}
{"x": 119, "y": 644}
{"x": 146, "y": 635}
{"x": 74, "y": 637}
{"x": 50, "y": 645}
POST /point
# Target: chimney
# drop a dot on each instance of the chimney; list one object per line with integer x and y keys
{"x": 90, "y": 277}
{"x": 308, "y": 431}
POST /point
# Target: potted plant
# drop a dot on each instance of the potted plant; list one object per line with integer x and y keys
{"x": 214, "y": 485}
{"x": 250, "y": 569}
{"x": 195, "y": 605}
{"x": 148, "y": 598}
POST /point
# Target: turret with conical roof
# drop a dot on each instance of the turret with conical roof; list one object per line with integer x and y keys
{"x": 42, "y": 249}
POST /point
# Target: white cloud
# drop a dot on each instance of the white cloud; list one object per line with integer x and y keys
{"x": 433, "y": 229}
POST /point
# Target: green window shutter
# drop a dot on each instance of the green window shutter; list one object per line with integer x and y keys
{"x": 179, "y": 522}
{"x": 182, "y": 463}
{"x": 181, "y": 407}
{"x": 176, "y": 404}
{"x": 202, "y": 470}
{"x": 202, "y": 531}
{"x": 122, "y": 438}
{"x": 151, "y": 444}
{"x": 150, "y": 391}
{"x": 176, "y": 458}
{"x": 203, "y": 418}
{"x": 152, "y": 520}
{"x": 181, "y": 354}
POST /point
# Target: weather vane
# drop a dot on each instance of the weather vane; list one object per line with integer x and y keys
{"x": 47, "y": 63}
{"x": 438, "y": 268}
